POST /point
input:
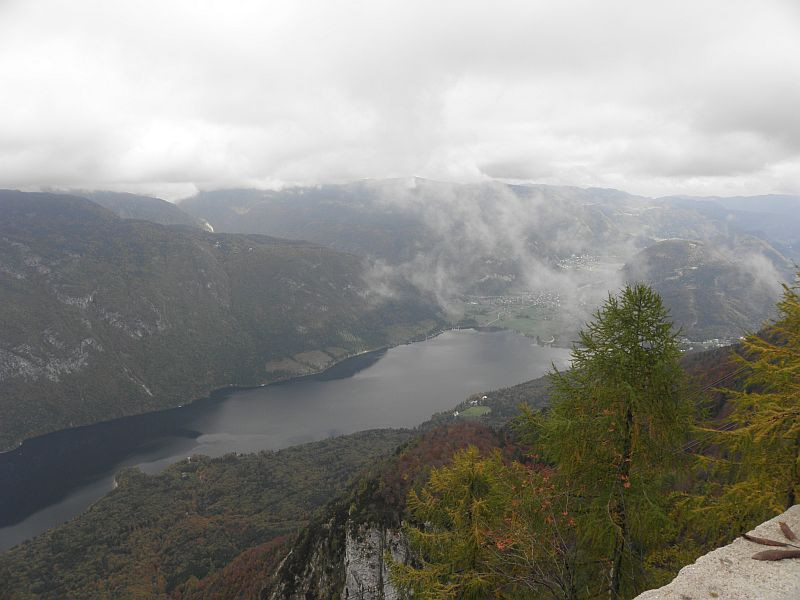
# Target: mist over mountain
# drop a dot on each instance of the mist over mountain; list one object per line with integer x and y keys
{"x": 247, "y": 249}
{"x": 775, "y": 218}
{"x": 494, "y": 239}
{"x": 98, "y": 298}
{"x": 145, "y": 208}
{"x": 713, "y": 289}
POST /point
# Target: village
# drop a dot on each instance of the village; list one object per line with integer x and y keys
{"x": 542, "y": 314}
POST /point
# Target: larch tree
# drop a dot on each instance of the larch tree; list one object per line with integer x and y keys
{"x": 452, "y": 517}
{"x": 614, "y": 432}
{"x": 762, "y": 439}
{"x": 485, "y": 528}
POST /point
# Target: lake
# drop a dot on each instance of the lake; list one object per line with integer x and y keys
{"x": 52, "y": 478}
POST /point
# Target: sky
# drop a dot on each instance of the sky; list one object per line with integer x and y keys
{"x": 170, "y": 97}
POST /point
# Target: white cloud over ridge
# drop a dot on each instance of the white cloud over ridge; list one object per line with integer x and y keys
{"x": 167, "y": 97}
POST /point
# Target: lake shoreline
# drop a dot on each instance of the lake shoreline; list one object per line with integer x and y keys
{"x": 59, "y": 475}
{"x": 232, "y": 387}
{"x": 216, "y": 391}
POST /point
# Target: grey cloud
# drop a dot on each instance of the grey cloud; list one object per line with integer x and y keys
{"x": 164, "y": 97}
{"x": 515, "y": 169}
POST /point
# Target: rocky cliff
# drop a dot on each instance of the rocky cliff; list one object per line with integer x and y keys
{"x": 341, "y": 553}
{"x": 366, "y": 571}
{"x": 353, "y": 570}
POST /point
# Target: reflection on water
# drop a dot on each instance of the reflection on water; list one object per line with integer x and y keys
{"x": 60, "y": 474}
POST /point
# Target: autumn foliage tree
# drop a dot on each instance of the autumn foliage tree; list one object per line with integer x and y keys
{"x": 455, "y": 509}
{"x": 766, "y": 414}
{"x": 618, "y": 419}
{"x": 579, "y": 521}
{"x": 482, "y": 527}
{"x": 759, "y": 468}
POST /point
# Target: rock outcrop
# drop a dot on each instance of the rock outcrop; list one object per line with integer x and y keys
{"x": 366, "y": 571}
{"x": 340, "y": 559}
{"x": 341, "y": 553}
{"x": 730, "y": 573}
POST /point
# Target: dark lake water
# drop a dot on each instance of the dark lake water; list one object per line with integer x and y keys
{"x": 51, "y": 479}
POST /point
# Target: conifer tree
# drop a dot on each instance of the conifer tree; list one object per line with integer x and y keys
{"x": 762, "y": 436}
{"x": 617, "y": 417}
{"x": 457, "y": 508}
{"x": 482, "y": 528}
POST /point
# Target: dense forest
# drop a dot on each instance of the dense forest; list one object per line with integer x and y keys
{"x": 157, "y": 535}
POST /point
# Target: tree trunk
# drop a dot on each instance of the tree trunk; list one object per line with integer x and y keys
{"x": 619, "y": 514}
{"x": 791, "y": 498}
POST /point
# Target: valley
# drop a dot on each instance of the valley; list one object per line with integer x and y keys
{"x": 53, "y": 478}
{"x": 399, "y": 300}
{"x": 104, "y": 317}
{"x": 121, "y": 320}
{"x": 545, "y": 255}
{"x": 136, "y": 305}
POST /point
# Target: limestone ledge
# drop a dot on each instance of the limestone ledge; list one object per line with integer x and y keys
{"x": 730, "y": 573}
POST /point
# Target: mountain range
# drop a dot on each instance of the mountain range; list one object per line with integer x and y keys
{"x": 493, "y": 239}
{"x": 117, "y": 304}
{"x": 114, "y": 304}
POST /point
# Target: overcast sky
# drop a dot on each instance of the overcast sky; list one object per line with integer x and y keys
{"x": 167, "y": 97}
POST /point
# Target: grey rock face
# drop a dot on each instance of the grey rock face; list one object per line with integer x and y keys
{"x": 730, "y": 573}
{"x": 366, "y": 572}
{"x": 341, "y": 560}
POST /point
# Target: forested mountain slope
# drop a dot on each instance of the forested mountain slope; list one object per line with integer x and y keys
{"x": 145, "y": 208}
{"x": 103, "y": 317}
{"x": 772, "y": 217}
{"x": 156, "y": 535}
{"x": 711, "y": 288}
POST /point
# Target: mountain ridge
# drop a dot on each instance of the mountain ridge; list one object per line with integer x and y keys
{"x": 105, "y": 317}
{"x": 462, "y": 241}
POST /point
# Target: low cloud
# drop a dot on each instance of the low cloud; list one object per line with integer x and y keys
{"x": 489, "y": 239}
{"x": 172, "y": 97}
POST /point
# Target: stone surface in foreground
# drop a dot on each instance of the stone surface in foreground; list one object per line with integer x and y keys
{"x": 730, "y": 573}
